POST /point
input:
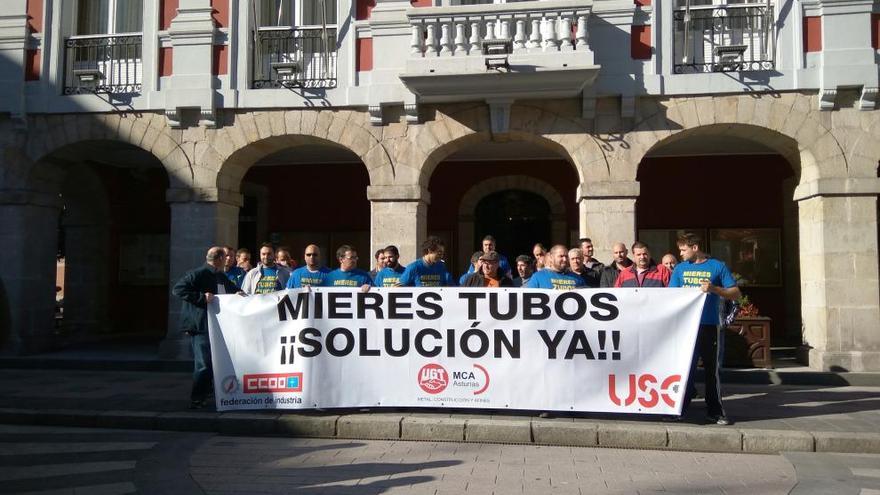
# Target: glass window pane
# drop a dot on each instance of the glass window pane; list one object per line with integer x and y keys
{"x": 276, "y": 13}
{"x": 129, "y": 16}
{"x": 92, "y": 16}
{"x": 312, "y": 12}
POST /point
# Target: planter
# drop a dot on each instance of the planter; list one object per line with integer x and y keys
{"x": 747, "y": 343}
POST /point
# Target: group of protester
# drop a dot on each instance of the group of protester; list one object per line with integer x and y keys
{"x": 229, "y": 271}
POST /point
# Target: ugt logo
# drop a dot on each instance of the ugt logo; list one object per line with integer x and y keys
{"x": 645, "y": 389}
{"x": 433, "y": 378}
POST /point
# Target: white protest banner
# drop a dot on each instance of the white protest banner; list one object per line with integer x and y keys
{"x": 602, "y": 350}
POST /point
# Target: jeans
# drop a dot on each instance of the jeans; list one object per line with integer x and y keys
{"x": 203, "y": 371}
{"x": 709, "y": 343}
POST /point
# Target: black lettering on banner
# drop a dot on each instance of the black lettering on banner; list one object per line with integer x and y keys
{"x": 600, "y": 301}
{"x": 512, "y": 298}
{"x": 420, "y": 345}
{"x": 336, "y": 303}
{"x": 398, "y": 301}
{"x": 578, "y": 299}
{"x": 513, "y": 348}
{"x": 364, "y": 350}
{"x": 472, "y": 302}
{"x": 553, "y": 343}
{"x": 535, "y": 301}
{"x": 579, "y": 345}
{"x": 450, "y": 337}
{"x": 319, "y": 305}
{"x": 404, "y": 342}
{"x": 466, "y": 337}
{"x": 286, "y": 306}
{"x": 428, "y": 301}
{"x": 309, "y": 337}
{"x": 330, "y": 342}
{"x": 374, "y": 304}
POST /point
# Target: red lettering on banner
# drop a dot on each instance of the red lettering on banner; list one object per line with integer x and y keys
{"x": 643, "y": 388}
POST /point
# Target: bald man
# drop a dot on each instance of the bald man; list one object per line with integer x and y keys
{"x": 310, "y": 274}
{"x": 197, "y": 290}
{"x": 620, "y": 262}
{"x": 555, "y": 274}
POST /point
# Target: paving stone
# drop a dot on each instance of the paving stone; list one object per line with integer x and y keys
{"x": 776, "y": 441}
{"x": 632, "y": 435}
{"x": 301, "y": 425}
{"x": 187, "y": 421}
{"x": 857, "y": 443}
{"x": 247, "y": 423}
{"x": 423, "y": 428}
{"x": 370, "y": 426}
{"x": 138, "y": 420}
{"x": 498, "y": 430}
{"x": 551, "y": 432}
{"x": 705, "y": 439}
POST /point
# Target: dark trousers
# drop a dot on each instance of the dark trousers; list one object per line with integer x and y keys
{"x": 203, "y": 371}
{"x": 708, "y": 346}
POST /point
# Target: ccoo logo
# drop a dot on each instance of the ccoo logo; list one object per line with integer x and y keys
{"x": 644, "y": 389}
{"x": 433, "y": 378}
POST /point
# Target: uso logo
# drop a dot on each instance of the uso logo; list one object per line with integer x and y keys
{"x": 647, "y": 389}
{"x": 433, "y": 378}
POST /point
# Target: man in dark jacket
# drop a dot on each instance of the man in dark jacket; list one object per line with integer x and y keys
{"x": 488, "y": 274}
{"x": 197, "y": 289}
{"x": 612, "y": 270}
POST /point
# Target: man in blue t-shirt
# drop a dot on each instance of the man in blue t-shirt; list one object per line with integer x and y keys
{"x": 712, "y": 277}
{"x": 429, "y": 270}
{"x": 348, "y": 275}
{"x": 234, "y": 273}
{"x": 555, "y": 274}
{"x": 312, "y": 273}
{"x": 267, "y": 276}
{"x": 390, "y": 275}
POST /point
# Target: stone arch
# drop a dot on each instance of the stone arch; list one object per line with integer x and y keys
{"x": 462, "y": 127}
{"x": 48, "y": 134}
{"x": 225, "y": 154}
{"x": 484, "y": 188}
{"x": 796, "y": 130}
{"x": 864, "y": 157}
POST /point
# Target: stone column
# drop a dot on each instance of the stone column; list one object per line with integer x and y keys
{"x": 29, "y": 235}
{"x": 840, "y": 293}
{"x": 399, "y": 216}
{"x": 195, "y": 227}
{"x": 608, "y": 214}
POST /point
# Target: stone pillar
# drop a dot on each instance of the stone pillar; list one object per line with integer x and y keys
{"x": 840, "y": 293}
{"x": 29, "y": 235}
{"x": 191, "y": 85}
{"x": 791, "y": 274}
{"x": 195, "y": 227}
{"x": 399, "y": 216}
{"x": 608, "y": 214}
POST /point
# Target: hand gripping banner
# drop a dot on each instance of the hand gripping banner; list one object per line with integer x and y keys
{"x": 602, "y": 350}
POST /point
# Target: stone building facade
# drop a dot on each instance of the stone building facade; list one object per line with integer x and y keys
{"x": 401, "y": 113}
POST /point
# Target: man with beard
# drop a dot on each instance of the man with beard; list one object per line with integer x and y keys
{"x": 489, "y": 274}
{"x": 390, "y": 275}
{"x": 592, "y": 266}
{"x": 312, "y": 273}
{"x": 644, "y": 272}
{"x": 524, "y": 269}
{"x": 267, "y": 276}
{"x": 555, "y": 274}
{"x": 429, "y": 270}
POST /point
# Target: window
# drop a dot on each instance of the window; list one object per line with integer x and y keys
{"x": 109, "y": 16}
{"x": 303, "y": 13}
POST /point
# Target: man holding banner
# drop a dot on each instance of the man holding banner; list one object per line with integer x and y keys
{"x": 197, "y": 289}
{"x": 713, "y": 277}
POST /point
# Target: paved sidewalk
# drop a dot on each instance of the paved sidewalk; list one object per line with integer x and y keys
{"x": 769, "y": 418}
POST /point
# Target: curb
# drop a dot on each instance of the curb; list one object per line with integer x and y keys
{"x": 390, "y": 426}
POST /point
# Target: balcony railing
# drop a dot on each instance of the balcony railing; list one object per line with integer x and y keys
{"x": 724, "y": 38}
{"x": 539, "y": 26}
{"x": 295, "y": 58}
{"x": 103, "y": 64}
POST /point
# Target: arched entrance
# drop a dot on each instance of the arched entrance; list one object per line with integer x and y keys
{"x": 737, "y": 193}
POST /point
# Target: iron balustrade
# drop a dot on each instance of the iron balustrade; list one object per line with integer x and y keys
{"x": 103, "y": 64}
{"x": 295, "y": 58}
{"x": 743, "y": 31}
